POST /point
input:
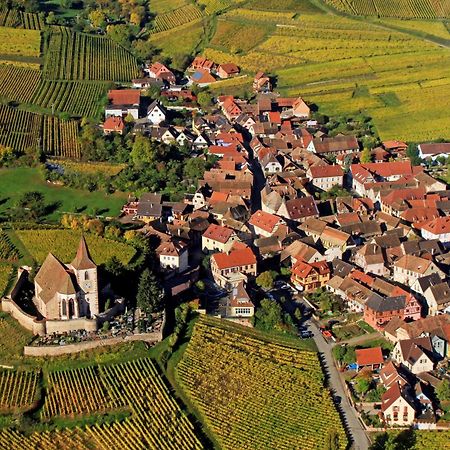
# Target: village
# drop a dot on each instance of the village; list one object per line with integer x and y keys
{"x": 289, "y": 212}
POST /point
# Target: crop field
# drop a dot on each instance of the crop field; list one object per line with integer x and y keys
{"x": 297, "y": 6}
{"x": 18, "y": 390}
{"x": 91, "y": 168}
{"x": 164, "y": 6}
{"x": 77, "y": 56}
{"x": 12, "y": 338}
{"x": 330, "y": 60}
{"x": 254, "y": 394}
{"x": 235, "y": 37}
{"x": 75, "y": 97}
{"x": 60, "y": 138}
{"x": 177, "y": 17}
{"x": 19, "y": 45}
{"x": 6, "y": 271}
{"x": 8, "y": 251}
{"x": 426, "y": 9}
{"x": 19, "y": 19}
{"x": 18, "y": 84}
{"x": 156, "y": 421}
{"x": 214, "y": 6}
{"x": 19, "y": 129}
{"x": 63, "y": 244}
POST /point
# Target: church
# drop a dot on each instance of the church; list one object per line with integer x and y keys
{"x": 66, "y": 292}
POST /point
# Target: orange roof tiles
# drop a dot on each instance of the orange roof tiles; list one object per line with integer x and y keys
{"x": 124, "y": 97}
{"x": 264, "y": 220}
{"x": 218, "y": 233}
{"x": 238, "y": 257}
{"x": 369, "y": 356}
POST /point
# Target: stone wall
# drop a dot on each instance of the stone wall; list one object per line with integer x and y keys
{"x": 26, "y": 320}
{"x": 65, "y": 326}
{"x": 88, "y": 345}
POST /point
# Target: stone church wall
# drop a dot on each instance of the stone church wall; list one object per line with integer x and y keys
{"x": 29, "y": 322}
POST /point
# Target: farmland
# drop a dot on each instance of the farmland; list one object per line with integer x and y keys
{"x": 257, "y": 394}
{"x": 18, "y": 390}
{"x": 63, "y": 242}
{"x": 6, "y": 271}
{"x": 77, "y": 56}
{"x": 382, "y": 68}
{"x": 60, "y": 138}
{"x": 13, "y": 338}
{"x": 177, "y": 17}
{"x": 148, "y": 416}
{"x": 19, "y": 43}
{"x": 19, "y": 180}
{"x": 410, "y": 9}
{"x": 18, "y": 84}
{"x": 19, "y": 19}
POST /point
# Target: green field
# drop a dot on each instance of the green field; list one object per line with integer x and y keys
{"x": 14, "y": 182}
{"x": 397, "y": 72}
{"x": 64, "y": 243}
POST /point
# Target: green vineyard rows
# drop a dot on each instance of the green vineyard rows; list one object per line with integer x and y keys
{"x": 19, "y": 19}
{"x": 8, "y": 251}
{"x": 18, "y": 84}
{"x": 18, "y": 390}
{"x": 177, "y": 17}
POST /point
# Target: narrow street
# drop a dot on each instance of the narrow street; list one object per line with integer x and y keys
{"x": 356, "y": 430}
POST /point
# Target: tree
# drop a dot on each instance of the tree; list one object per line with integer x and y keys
{"x": 144, "y": 49}
{"x": 194, "y": 168}
{"x": 412, "y": 152}
{"x": 265, "y": 280}
{"x": 339, "y": 352}
{"x": 332, "y": 440}
{"x": 443, "y": 391}
{"x": 142, "y": 151}
{"x": 366, "y": 156}
{"x": 149, "y": 295}
{"x": 119, "y": 33}
{"x": 114, "y": 266}
{"x": 31, "y": 204}
{"x": 204, "y": 99}
{"x": 97, "y": 18}
{"x": 362, "y": 386}
{"x": 298, "y": 314}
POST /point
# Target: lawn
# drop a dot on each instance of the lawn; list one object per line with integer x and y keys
{"x": 64, "y": 243}
{"x": 14, "y": 182}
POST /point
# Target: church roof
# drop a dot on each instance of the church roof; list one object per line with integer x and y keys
{"x": 53, "y": 277}
{"x": 82, "y": 259}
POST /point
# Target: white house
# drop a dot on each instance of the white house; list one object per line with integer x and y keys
{"x": 414, "y": 354}
{"x": 173, "y": 255}
{"x": 438, "y": 228}
{"x": 156, "y": 113}
{"x": 325, "y": 177}
{"x": 433, "y": 151}
{"x": 397, "y": 406}
{"x": 438, "y": 298}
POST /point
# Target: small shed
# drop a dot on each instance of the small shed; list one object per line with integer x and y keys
{"x": 369, "y": 357}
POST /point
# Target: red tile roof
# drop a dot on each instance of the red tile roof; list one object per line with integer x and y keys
{"x": 229, "y": 68}
{"x": 369, "y": 356}
{"x": 326, "y": 171}
{"x": 264, "y": 220}
{"x": 437, "y": 226}
{"x": 118, "y": 97}
{"x": 236, "y": 258}
{"x": 114, "y": 123}
{"x": 218, "y": 233}
{"x": 275, "y": 117}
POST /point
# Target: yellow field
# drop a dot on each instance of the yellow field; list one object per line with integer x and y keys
{"x": 107, "y": 169}
{"x": 434, "y": 28}
{"x": 19, "y": 42}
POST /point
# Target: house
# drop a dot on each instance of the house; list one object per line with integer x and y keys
{"x": 160, "y": 72}
{"x": 173, "y": 255}
{"x": 369, "y": 357}
{"x": 66, "y": 292}
{"x": 227, "y": 70}
{"x": 333, "y": 238}
{"x": 149, "y": 207}
{"x": 202, "y": 78}
{"x": 145, "y": 83}
{"x": 218, "y": 238}
{"x": 230, "y": 108}
{"x": 397, "y": 406}
{"x": 229, "y": 269}
{"x": 438, "y": 228}
{"x": 433, "y": 151}
{"x": 240, "y": 304}
{"x": 310, "y": 276}
{"x": 325, "y": 177}
{"x": 156, "y": 113}
{"x": 390, "y": 375}
{"x": 379, "y": 311}
{"x": 339, "y": 145}
{"x": 438, "y": 298}
{"x": 270, "y": 163}
{"x": 423, "y": 283}
{"x": 201, "y": 63}
{"x": 261, "y": 83}
{"x": 264, "y": 224}
{"x": 370, "y": 257}
{"x": 298, "y": 209}
{"x": 414, "y": 354}
{"x": 113, "y": 124}
{"x": 300, "y": 109}
{"x": 123, "y": 102}
{"x": 409, "y": 268}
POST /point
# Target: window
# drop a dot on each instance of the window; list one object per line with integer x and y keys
{"x": 86, "y": 275}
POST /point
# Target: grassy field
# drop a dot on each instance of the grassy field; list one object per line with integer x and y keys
{"x": 19, "y": 45}
{"x": 17, "y": 181}
{"x": 253, "y": 393}
{"x": 387, "y": 69}
{"x": 64, "y": 243}
{"x": 12, "y": 339}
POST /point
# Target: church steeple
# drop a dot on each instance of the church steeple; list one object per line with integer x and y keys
{"x": 82, "y": 259}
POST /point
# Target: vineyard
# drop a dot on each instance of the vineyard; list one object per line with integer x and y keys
{"x": 60, "y": 138}
{"x": 21, "y": 43}
{"x": 156, "y": 421}
{"x": 77, "y": 56}
{"x": 255, "y": 394}
{"x": 408, "y": 9}
{"x": 8, "y": 251}
{"x": 77, "y": 98}
{"x": 63, "y": 244}
{"x": 19, "y": 129}
{"x": 177, "y": 17}
{"x": 6, "y": 273}
{"x": 18, "y": 19}
{"x": 18, "y": 390}
{"x": 18, "y": 84}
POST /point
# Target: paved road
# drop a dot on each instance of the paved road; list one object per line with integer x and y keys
{"x": 358, "y": 435}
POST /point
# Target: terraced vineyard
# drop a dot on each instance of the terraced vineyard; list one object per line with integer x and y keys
{"x": 18, "y": 84}
{"x": 77, "y": 56}
{"x": 19, "y": 19}
{"x": 156, "y": 421}
{"x": 8, "y": 251}
{"x": 177, "y": 17}
{"x": 256, "y": 394}
{"x": 18, "y": 390}
{"x": 77, "y": 98}
{"x": 60, "y": 138}
{"x": 410, "y": 9}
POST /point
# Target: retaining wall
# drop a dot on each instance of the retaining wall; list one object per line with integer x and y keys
{"x": 29, "y": 322}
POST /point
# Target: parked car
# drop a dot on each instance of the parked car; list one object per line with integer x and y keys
{"x": 306, "y": 334}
